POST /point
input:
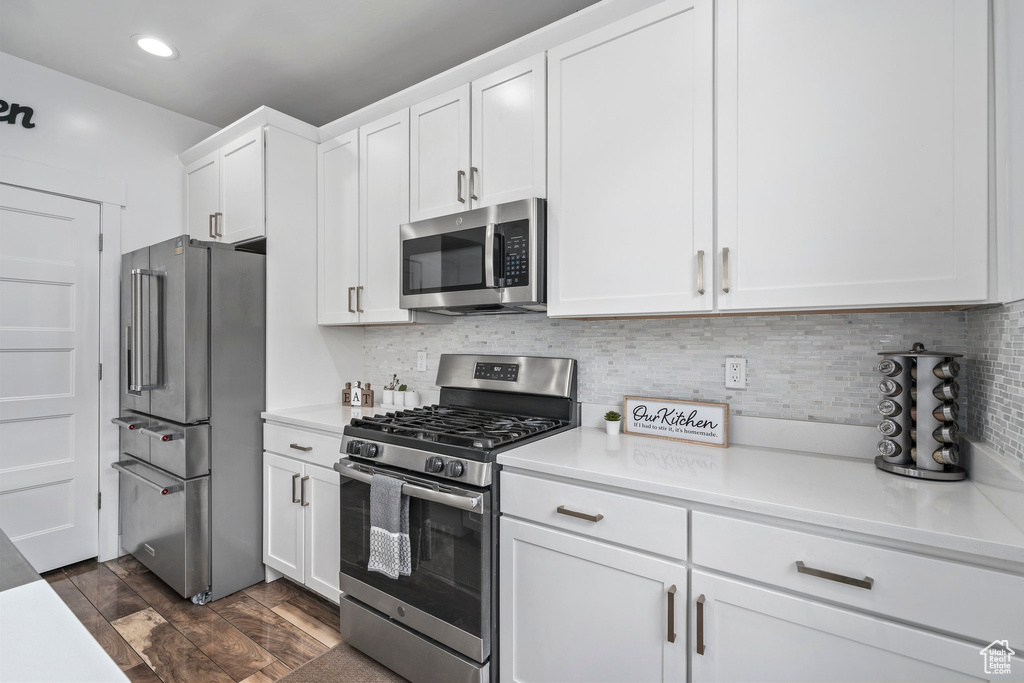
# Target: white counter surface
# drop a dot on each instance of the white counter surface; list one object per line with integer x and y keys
{"x": 330, "y": 417}
{"x": 839, "y": 492}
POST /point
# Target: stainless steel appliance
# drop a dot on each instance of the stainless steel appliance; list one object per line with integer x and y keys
{"x": 192, "y": 388}
{"x": 489, "y": 260}
{"x": 440, "y": 622}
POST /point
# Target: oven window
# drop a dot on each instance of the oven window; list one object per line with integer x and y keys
{"x": 449, "y": 262}
{"x": 450, "y": 557}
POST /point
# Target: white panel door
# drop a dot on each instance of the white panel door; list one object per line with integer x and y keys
{"x": 383, "y": 206}
{"x": 203, "y": 177}
{"x": 338, "y": 234}
{"x": 323, "y": 530}
{"x": 630, "y": 165}
{"x": 509, "y": 145}
{"x": 242, "y": 189}
{"x": 756, "y": 634}
{"x": 49, "y": 375}
{"x": 852, "y": 153}
{"x": 573, "y": 609}
{"x": 282, "y": 516}
{"x": 439, "y": 168}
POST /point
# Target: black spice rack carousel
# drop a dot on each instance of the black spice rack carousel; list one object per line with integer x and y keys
{"x": 919, "y": 411}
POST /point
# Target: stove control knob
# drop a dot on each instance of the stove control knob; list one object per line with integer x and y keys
{"x": 353, "y": 447}
{"x": 454, "y": 468}
{"x": 434, "y": 464}
{"x": 368, "y": 450}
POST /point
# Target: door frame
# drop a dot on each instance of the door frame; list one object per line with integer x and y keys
{"x": 111, "y": 196}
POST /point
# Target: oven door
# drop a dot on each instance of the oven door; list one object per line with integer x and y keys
{"x": 447, "y": 596}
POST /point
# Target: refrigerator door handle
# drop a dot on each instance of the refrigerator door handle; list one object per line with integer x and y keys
{"x": 138, "y": 381}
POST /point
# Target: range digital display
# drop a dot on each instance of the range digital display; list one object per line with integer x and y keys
{"x": 503, "y": 372}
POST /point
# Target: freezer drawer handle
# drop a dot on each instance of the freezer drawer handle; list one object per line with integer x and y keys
{"x": 562, "y": 510}
{"x": 162, "y": 434}
{"x": 129, "y": 423}
{"x": 867, "y": 582}
{"x": 163, "y": 490}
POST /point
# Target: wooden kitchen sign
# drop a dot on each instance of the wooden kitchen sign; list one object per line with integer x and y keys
{"x": 665, "y": 418}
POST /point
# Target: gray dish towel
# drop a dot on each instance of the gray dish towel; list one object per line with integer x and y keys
{"x": 390, "y": 551}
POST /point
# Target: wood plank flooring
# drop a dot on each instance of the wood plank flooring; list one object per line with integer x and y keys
{"x": 256, "y": 635}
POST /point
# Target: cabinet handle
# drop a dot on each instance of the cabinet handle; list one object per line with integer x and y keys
{"x": 461, "y": 175}
{"x": 725, "y": 269}
{"x": 672, "y": 614}
{"x": 216, "y": 223}
{"x": 294, "y": 477}
{"x": 212, "y": 233}
{"x": 302, "y": 491}
{"x": 473, "y": 173}
{"x": 562, "y": 510}
{"x": 359, "y": 299}
{"x": 867, "y": 582}
{"x": 700, "y": 624}
{"x": 700, "y": 272}
{"x": 304, "y": 449}
{"x": 350, "y": 290}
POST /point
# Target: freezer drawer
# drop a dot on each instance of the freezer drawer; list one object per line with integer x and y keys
{"x": 165, "y": 524}
{"x": 182, "y": 450}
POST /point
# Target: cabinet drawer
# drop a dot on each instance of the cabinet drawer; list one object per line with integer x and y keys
{"x": 940, "y": 594}
{"x": 321, "y": 449}
{"x": 643, "y": 524}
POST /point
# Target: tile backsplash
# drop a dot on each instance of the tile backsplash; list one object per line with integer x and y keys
{"x": 995, "y": 377}
{"x": 805, "y": 367}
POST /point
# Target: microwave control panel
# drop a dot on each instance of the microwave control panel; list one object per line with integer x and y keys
{"x": 517, "y": 253}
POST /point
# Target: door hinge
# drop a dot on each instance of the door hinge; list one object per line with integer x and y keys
{"x": 99, "y": 501}
{"x": 101, "y": 371}
{"x": 101, "y": 241}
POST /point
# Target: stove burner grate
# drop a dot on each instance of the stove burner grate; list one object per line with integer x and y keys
{"x": 464, "y": 427}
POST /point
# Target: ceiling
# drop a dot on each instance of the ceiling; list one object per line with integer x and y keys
{"x": 316, "y": 60}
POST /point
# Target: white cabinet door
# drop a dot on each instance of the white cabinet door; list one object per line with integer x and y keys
{"x": 282, "y": 516}
{"x": 852, "y": 153}
{"x": 203, "y": 179}
{"x": 338, "y": 230}
{"x": 439, "y": 155}
{"x": 242, "y": 188}
{"x": 508, "y": 134}
{"x": 323, "y": 530}
{"x": 630, "y": 165}
{"x": 384, "y": 206}
{"x": 756, "y": 634}
{"x": 573, "y": 609}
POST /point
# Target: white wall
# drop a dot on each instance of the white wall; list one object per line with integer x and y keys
{"x": 86, "y": 128}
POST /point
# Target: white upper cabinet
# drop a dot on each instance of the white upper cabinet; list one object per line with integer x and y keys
{"x": 630, "y": 160}
{"x": 508, "y": 132}
{"x": 439, "y": 182}
{"x": 479, "y": 144}
{"x": 226, "y": 191}
{"x": 338, "y": 230}
{"x": 852, "y": 163}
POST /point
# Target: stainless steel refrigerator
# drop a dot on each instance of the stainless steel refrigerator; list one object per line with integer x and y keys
{"x": 193, "y": 376}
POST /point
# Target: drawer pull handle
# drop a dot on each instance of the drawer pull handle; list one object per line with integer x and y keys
{"x": 867, "y": 582}
{"x": 672, "y": 614}
{"x": 304, "y": 449}
{"x": 294, "y": 478}
{"x": 562, "y": 510}
{"x": 700, "y": 624}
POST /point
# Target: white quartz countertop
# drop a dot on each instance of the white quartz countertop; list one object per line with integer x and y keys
{"x": 839, "y": 492}
{"x": 330, "y": 417}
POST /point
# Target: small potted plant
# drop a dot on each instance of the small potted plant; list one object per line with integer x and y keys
{"x": 389, "y": 391}
{"x": 612, "y": 422}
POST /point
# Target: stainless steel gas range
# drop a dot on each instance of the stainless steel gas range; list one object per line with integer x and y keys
{"x": 439, "y": 623}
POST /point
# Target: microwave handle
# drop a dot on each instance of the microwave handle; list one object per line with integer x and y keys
{"x": 492, "y": 263}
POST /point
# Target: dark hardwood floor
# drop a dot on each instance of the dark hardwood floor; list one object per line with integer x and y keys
{"x": 256, "y": 635}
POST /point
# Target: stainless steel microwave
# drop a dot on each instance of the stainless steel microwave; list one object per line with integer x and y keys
{"x": 489, "y": 260}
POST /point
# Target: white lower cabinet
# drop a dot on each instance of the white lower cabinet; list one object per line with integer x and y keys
{"x": 575, "y": 609}
{"x": 743, "y": 632}
{"x": 302, "y": 522}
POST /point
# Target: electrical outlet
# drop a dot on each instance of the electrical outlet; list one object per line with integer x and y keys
{"x": 735, "y": 373}
{"x": 421, "y": 361}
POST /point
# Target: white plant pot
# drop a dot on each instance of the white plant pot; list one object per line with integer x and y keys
{"x": 411, "y": 399}
{"x": 389, "y": 397}
{"x": 612, "y": 427}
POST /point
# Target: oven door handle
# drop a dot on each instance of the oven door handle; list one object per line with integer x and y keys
{"x": 464, "y": 501}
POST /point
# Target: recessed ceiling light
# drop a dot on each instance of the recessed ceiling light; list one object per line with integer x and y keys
{"x": 154, "y": 46}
